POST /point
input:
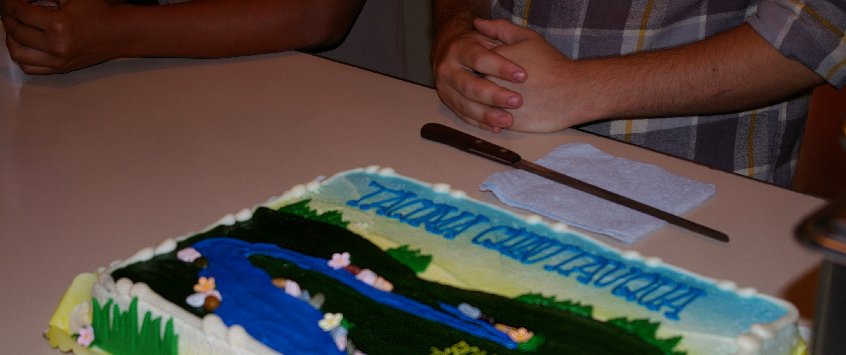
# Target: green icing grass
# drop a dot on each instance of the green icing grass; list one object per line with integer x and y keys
{"x": 648, "y": 331}
{"x": 533, "y": 344}
{"x": 302, "y": 209}
{"x": 411, "y": 258}
{"x": 643, "y": 328}
{"x": 117, "y": 332}
{"x": 552, "y": 302}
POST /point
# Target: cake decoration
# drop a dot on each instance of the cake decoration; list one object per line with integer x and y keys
{"x": 368, "y": 261}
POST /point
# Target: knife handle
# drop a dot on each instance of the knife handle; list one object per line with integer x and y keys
{"x": 462, "y": 141}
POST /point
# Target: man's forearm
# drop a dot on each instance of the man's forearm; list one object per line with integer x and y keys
{"x": 221, "y": 28}
{"x": 733, "y": 71}
{"x": 454, "y": 17}
{"x": 454, "y": 12}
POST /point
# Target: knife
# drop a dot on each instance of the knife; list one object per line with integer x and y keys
{"x": 465, "y": 142}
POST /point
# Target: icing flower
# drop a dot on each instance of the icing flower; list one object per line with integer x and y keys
{"x": 339, "y": 260}
{"x": 372, "y": 279}
{"x": 196, "y": 299}
{"x": 317, "y": 301}
{"x": 469, "y": 311}
{"x": 86, "y": 336}
{"x": 367, "y": 276}
{"x": 330, "y": 321}
{"x": 383, "y": 285}
{"x": 518, "y": 335}
{"x": 339, "y": 335}
{"x": 199, "y": 299}
{"x": 204, "y": 285}
{"x": 188, "y": 255}
{"x": 204, "y": 288}
{"x": 292, "y": 288}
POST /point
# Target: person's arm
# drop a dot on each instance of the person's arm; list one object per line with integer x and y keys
{"x": 82, "y": 33}
{"x": 461, "y": 56}
{"x": 733, "y": 71}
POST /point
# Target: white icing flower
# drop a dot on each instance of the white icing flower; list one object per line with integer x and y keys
{"x": 188, "y": 255}
{"x": 86, "y": 336}
{"x": 339, "y": 335}
{"x": 292, "y": 288}
{"x": 367, "y": 276}
{"x": 196, "y": 300}
{"x": 469, "y": 311}
{"x": 199, "y": 298}
{"x": 330, "y": 321}
{"x": 339, "y": 260}
{"x": 317, "y": 301}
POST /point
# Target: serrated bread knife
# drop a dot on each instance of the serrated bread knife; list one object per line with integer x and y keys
{"x": 465, "y": 142}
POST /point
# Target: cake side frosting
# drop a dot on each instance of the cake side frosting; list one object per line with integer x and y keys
{"x": 473, "y": 246}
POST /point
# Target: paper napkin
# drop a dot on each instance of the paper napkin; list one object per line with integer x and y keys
{"x": 646, "y": 183}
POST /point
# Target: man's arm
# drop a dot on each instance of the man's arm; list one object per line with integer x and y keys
{"x": 86, "y": 32}
{"x": 732, "y": 71}
{"x": 461, "y": 56}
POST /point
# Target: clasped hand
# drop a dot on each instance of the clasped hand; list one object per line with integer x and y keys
{"x": 47, "y": 40}
{"x": 503, "y": 76}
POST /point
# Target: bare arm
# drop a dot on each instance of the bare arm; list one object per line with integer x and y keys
{"x": 86, "y": 32}
{"x": 732, "y": 71}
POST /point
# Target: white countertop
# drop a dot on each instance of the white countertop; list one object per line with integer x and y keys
{"x": 99, "y": 163}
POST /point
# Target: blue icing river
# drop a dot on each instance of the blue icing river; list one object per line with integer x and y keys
{"x": 287, "y": 324}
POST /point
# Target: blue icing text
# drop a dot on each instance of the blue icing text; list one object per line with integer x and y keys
{"x": 651, "y": 290}
{"x": 437, "y": 218}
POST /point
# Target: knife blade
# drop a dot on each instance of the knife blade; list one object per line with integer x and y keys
{"x": 465, "y": 142}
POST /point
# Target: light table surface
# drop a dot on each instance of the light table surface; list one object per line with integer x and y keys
{"x": 99, "y": 163}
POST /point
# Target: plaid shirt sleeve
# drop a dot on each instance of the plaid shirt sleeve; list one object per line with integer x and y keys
{"x": 809, "y": 31}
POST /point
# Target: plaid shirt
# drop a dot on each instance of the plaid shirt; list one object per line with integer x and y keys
{"x": 762, "y": 143}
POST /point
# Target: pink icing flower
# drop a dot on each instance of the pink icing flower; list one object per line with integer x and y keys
{"x": 383, "y": 285}
{"x": 339, "y": 260}
{"x": 188, "y": 255}
{"x": 520, "y": 335}
{"x": 204, "y": 285}
{"x": 86, "y": 336}
{"x": 292, "y": 288}
{"x": 367, "y": 276}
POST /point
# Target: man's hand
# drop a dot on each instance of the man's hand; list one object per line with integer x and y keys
{"x": 44, "y": 40}
{"x": 557, "y": 93}
{"x": 461, "y": 58}
{"x": 733, "y": 71}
